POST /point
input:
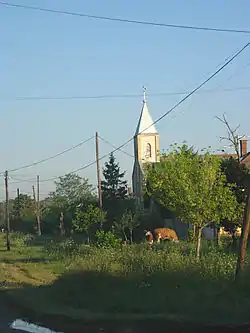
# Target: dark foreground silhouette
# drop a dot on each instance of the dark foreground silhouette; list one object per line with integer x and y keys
{"x": 87, "y": 301}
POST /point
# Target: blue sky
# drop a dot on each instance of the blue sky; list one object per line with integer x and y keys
{"x": 45, "y": 54}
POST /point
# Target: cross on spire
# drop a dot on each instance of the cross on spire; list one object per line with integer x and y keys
{"x": 144, "y": 94}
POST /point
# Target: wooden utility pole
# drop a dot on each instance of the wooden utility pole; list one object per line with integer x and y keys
{"x": 244, "y": 236}
{"x": 98, "y": 171}
{"x": 62, "y": 230}
{"x": 36, "y": 210}
{"x": 34, "y": 195}
{"x": 18, "y": 203}
{"x": 38, "y": 206}
{"x": 2, "y": 215}
{"x": 7, "y": 216}
{"x": 98, "y": 174}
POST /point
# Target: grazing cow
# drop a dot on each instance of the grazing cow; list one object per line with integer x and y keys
{"x": 160, "y": 234}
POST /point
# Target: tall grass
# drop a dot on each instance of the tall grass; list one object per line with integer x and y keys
{"x": 166, "y": 280}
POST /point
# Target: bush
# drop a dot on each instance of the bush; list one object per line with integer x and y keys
{"x": 106, "y": 239}
{"x": 21, "y": 239}
{"x": 62, "y": 249}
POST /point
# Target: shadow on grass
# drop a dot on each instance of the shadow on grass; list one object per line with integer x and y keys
{"x": 24, "y": 260}
{"x": 159, "y": 302}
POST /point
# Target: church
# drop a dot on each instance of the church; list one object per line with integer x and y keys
{"x": 147, "y": 150}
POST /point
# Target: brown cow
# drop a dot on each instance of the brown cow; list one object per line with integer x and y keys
{"x": 161, "y": 234}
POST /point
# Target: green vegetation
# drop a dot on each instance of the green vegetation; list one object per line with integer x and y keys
{"x": 80, "y": 270}
{"x": 193, "y": 187}
{"x": 64, "y": 277}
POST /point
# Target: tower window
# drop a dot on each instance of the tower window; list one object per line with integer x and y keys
{"x": 148, "y": 150}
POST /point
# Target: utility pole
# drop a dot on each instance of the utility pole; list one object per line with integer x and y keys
{"x": 62, "y": 230}
{"x": 2, "y": 215}
{"x": 98, "y": 171}
{"x": 35, "y": 208}
{"x": 34, "y": 198}
{"x": 98, "y": 174}
{"x": 38, "y": 206}
{"x": 34, "y": 194}
{"x": 18, "y": 203}
{"x": 7, "y": 216}
{"x": 244, "y": 236}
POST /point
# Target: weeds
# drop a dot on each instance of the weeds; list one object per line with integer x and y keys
{"x": 131, "y": 279}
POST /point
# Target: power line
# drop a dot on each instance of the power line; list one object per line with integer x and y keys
{"x": 165, "y": 114}
{"x": 30, "y": 180}
{"x": 51, "y": 157}
{"x": 116, "y": 19}
{"x": 200, "y": 86}
{"x": 41, "y": 98}
{"x": 110, "y": 144}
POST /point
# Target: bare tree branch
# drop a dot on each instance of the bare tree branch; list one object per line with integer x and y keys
{"x": 232, "y": 135}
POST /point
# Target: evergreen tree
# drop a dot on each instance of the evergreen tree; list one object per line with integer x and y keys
{"x": 114, "y": 186}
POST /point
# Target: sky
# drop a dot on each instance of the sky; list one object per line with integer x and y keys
{"x": 53, "y": 55}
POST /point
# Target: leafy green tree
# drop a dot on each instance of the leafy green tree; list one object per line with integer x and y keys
{"x": 71, "y": 192}
{"x": 237, "y": 174}
{"x": 73, "y": 188}
{"x": 23, "y": 207}
{"x": 121, "y": 225}
{"x": 193, "y": 187}
{"x": 114, "y": 186}
{"x": 128, "y": 222}
{"x": 85, "y": 219}
{"x": 22, "y": 213}
{"x": 52, "y": 209}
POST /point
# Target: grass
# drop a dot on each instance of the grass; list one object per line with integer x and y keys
{"x": 60, "y": 277}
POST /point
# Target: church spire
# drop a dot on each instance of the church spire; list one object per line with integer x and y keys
{"x": 145, "y": 124}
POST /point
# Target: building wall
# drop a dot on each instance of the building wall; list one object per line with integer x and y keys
{"x": 137, "y": 180}
{"x": 140, "y": 145}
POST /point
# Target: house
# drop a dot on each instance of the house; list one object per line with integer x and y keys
{"x": 243, "y": 151}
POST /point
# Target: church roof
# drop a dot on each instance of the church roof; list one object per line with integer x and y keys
{"x": 145, "y": 122}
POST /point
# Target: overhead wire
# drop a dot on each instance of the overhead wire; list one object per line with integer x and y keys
{"x": 50, "y": 157}
{"x": 110, "y": 144}
{"x": 123, "y": 20}
{"x": 125, "y": 96}
{"x": 228, "y": 61}
{"x": 18, "y": 180}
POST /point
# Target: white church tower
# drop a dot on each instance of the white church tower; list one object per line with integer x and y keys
{"x": 146, "y": 149}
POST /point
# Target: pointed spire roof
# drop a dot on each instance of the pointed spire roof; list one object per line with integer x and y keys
{"x": 145, "y": 122}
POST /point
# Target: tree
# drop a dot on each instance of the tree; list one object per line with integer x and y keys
{"x": 237, "y": 174}
{"x": 22, "y": 207}
{"x": 232, "y": 136}
{"x": 84, "y": 220}
{"x": 22, "y": 213}
{"x": 71, "y": 192}
{"x": 234, "y": 139}
{"x": 114, "y": 186}
{"x": 121, "y": 225}
{"x": 193, "y": 187}
{"x": 53, "y": 208}
{"x": 128, "y": 222}
{"x": 114, "y": 191}
{"x": 73, "y": 188}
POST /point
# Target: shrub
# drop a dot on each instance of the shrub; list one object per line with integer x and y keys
{"x": 106, "y": 239}
{"x": 62, "y": 249}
